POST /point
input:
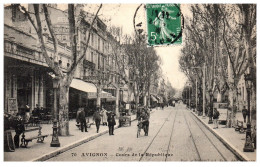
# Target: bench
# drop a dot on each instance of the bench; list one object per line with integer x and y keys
{"x": 240, "y": 127}
{"x": 39, "y": 137}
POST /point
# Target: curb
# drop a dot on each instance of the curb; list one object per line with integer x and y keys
{"x": 71, "y": 146}
{"x": 233, "y": 149}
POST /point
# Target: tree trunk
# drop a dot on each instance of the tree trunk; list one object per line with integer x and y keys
{"x": 63, "y": 109}
{"x": 129, "y": 99}
{"x": 99, "y": 91}
{"x": 253, "y": 106}
{"x": 148, "y": 100}
{"x": 144, "y": 99}
{"x": 117, "y": 102}
{"x": 232, "y": 99}
{"x": 137, "y": 99}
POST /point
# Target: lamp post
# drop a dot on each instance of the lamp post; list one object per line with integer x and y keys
{"x": 189, "y": 95}
{"x": 210, "y": 109}
{"x": 248, "y": 147}
{"x": 196, "y": 101}
{"x": 55, "y": 139}
{"x": 204, "y": 91}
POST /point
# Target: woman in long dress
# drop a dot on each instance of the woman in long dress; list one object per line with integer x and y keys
{"x": 160, "y": 21}
{"x": 104, "y": 116}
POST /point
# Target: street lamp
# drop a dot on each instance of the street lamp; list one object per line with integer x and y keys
{"x": 55, "y": 139}
{"x": 248, "y": 144}
{"x": 189, "y": 94}
{"x": 210, "y": 108}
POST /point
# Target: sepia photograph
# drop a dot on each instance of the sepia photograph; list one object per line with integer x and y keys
{"x": 129, "y": 82}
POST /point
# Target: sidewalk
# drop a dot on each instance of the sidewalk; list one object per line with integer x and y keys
{"x": 43, "y": 151}
{"x": 232, "y": 139}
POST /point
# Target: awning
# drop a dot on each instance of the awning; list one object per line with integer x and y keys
{"x": 83, "y": 86}
{"x": 154, "y": 98}
{"x": 160, "y": 99}
{"x": 112, "y": 98}
{"x": 89, "y": 88}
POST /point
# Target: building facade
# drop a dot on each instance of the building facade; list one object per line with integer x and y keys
{"x": 26, "y": 74}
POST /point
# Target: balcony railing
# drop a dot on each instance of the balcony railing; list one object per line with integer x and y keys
{"x": 88, "y": 64}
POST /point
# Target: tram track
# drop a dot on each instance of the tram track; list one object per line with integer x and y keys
{"x": 200, "y": 127}
{"x": 204, "y": 132}
{"x": 170, "y": 136}
{"x": 193, "y": 141}
{"x": 209, "y": 139}
{"x": 141, "y": 157}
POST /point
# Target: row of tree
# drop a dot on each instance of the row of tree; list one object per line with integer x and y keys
{"x": 222, "y": 39}
{"x": 136, "y": 65}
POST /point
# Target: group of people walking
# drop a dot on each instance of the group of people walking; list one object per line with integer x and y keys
{"x": 107, "y": 118}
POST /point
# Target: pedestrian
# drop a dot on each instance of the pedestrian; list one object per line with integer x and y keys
{"x": 82, "y": 119}
{"x": 145, "y": 117}
{"x": 215, "y": 118}
{"x": 77, "y": 116}
{"x": 19, "y": 129}
{"x": 139, "y": 111}
{"x": 8, "y": 139}
{"x": 244, "y": 112}
{"x": 104, "y": 116}
{"x": 111, "y": 122}
{"x": 27, "y": 113}
{"x": 97, "y": 118}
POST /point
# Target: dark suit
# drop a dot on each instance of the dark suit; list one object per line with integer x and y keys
{"x": 111, "y": 122}
{"x": 245, "y": 113}
{"x": 19, "y": 128}
{"x": 145, "y": 118}
{"x": 82, "y": 120}
{"x": 97, "y": 118}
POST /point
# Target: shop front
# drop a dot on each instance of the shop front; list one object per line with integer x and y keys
{"x": 26, "y": 84}
{"x": 84, "y": 94}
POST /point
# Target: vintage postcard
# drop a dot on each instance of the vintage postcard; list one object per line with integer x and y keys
{"x": 129, "y": 82}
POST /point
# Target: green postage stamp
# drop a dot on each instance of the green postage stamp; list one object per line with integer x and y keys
{"x": 164, "y": 24}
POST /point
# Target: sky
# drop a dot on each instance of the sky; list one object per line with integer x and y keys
{"x": 122, "y": 15}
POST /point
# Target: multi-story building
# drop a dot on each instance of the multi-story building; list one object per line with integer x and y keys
{"x": 26, "y": 73}
{"x": 26, "y": 78}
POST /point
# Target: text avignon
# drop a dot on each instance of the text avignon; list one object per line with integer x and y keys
{"x": 94, "y": 154}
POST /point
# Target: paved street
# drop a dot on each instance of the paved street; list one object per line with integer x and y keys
{"x": 174, "y": 135}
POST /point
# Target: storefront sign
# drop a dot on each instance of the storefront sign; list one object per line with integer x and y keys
{"x": 127, "y": 106}
{"x": 12, "y": 106}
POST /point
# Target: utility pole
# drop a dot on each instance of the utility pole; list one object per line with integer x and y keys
{"x": 204, "y": 90}
{"x": 189, "y": 95}
{"x": 196, "y": 101}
